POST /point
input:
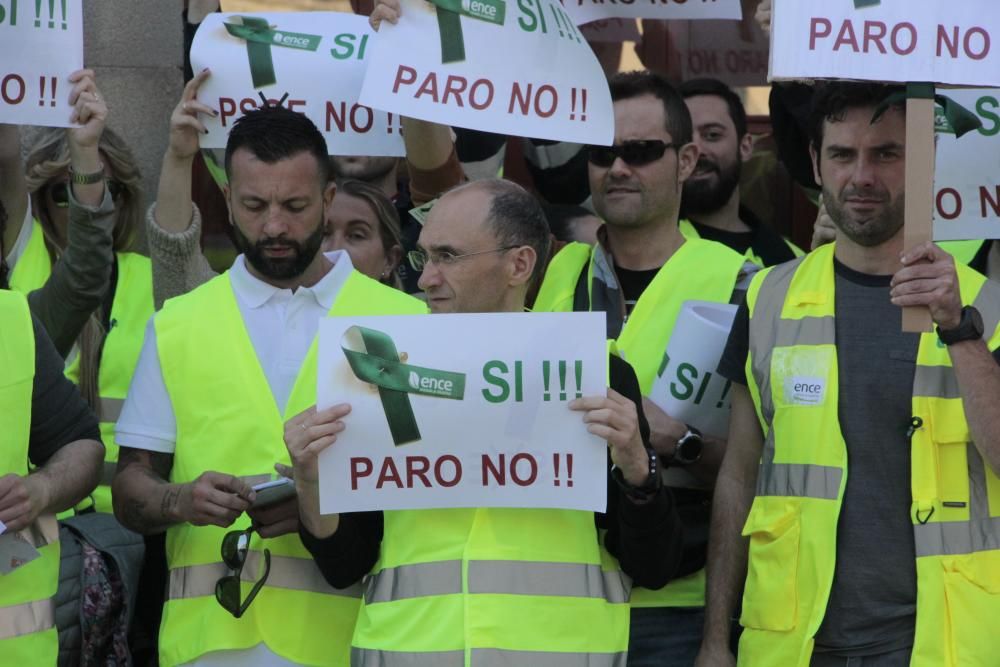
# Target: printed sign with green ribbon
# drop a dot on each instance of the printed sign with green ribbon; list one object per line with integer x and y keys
{"x": 373, "y": 357}
{"x": 950, "y": 116}
{"x": 450, "y": 25}
{"x": 260, "y": 37}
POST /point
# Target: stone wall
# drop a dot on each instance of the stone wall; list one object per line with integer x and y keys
{"x": 136, "y": 49}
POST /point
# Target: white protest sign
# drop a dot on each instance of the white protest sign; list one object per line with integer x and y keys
{"x": 316, "y": 59}
{"x": 956, "y": 42}
{"x": 469, "y": 411}
{"x": 41, "y": 44}
{"x": 611, "y": 30}
{"x": 519, "y": 68}
{"x": 585, "y": 11}
{"x": 967, "y": 171}
{"x": 687, "y": 387}
{"x": 735, "y": 52}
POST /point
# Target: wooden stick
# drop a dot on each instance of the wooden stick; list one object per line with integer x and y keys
{"x": 919, "y": 203}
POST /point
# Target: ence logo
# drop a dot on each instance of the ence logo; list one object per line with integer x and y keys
{"x": 800, "y": 390}
{"x": 486, "y": 11}
{"x": 291, "y": 40}
{"x": 432, "y": 386}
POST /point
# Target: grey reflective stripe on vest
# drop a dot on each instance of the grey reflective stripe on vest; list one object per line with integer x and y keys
{"x": 936, "y": 381}
{"x": 799, "y": 479}
{"x": 580, "y": 580}
{"x": 111, "y": 408}
{"x": 414, "y": 581}
{"x": 368, "y": 657}
{"x": 987, "y": 302}
{"x": 980, "y": 533}
{"x": 497, "y": 577}
{"x": 483, "y": 657}
{"x": 764, "y": 331}
{"x": 298, "y": 574}
{"x": 806, "y": 331}
{"x": 27, "y": 618}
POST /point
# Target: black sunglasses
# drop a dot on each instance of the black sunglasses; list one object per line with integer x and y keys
{"x": 60, "y": 192}
{"x": 633, "y": 153}
{"x": 228, "y": 591}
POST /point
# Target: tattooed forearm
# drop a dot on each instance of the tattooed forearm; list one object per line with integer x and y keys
{"x": 142, "y": 477}
{"x": 168, "y": 506}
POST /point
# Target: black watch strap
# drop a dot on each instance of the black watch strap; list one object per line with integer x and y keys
{"x": 647, "y": 489}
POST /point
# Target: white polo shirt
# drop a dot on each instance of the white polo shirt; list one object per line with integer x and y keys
{"x": 281, "y": 324}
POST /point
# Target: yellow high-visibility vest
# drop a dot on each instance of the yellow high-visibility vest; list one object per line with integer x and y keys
{"x": 480, "y": 587}
{"x": 227, "y": 421}
{"x": 689, "y": 232}
{"x": 131, "y": 309}
{"x": 699, "y": 270}
{"x": 27, "y": 612}
{"x": 792, "y": 525}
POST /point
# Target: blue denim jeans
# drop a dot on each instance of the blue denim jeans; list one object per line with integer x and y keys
{"x": 665, "y": 636}
{"x": 899, "y": 658}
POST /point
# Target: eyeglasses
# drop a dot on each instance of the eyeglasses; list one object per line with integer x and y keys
{"x": 420, "y": 258}
{"x": 235, "y": 546}
{"x": 60, "y": 192}
{"x": 633, "y": 153}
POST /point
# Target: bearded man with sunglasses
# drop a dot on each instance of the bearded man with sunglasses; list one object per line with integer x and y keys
{"x": 640, "y": 273}
{"x": 220, "y": 369}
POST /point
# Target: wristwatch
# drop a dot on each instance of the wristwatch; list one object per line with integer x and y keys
{"x": 647, "y": 489}
{"x": 970, "y": 327}
{"x": 86, "y": 179}
{"x": 689, "y": 447}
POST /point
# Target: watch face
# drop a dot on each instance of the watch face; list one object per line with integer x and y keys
{"x": 689, "y": 448}
{"x": 977, "y": 321}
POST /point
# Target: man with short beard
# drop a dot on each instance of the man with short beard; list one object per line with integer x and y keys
{"x": 862, "y": 465}
{"x": 221, "y": 369}
{"x": 710, "y": 205}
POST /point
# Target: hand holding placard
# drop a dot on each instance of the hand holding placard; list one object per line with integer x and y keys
{"x": 504, "y": 436}
{"x": 280, "y": 57}
{"x": 420, "y": 76}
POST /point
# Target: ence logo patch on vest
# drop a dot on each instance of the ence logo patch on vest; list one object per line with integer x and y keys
{"x": 801, "y": 390}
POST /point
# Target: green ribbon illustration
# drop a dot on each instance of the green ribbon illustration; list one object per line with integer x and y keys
{"x": 260, "y": 37}
{"x": 449, "y": 13}
{"x": 957, "y": 117}
{"x": 373, "y": 357}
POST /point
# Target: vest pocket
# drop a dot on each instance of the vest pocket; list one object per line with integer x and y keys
{"x": 770, "y": 598}
{"x": 972, "y": 593}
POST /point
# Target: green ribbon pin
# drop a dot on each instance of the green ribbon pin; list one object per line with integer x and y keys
{"x": 450, "y": 24}
{"x": 260, "y": 37}
{"x": 373, "y": 357}
{"x": 959, "y": 119}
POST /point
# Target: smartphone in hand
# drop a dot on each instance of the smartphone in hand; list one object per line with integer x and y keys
{"x": 274, "y": 491}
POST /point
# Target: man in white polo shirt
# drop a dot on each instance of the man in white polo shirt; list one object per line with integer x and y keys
{"x": 220, "y": 369}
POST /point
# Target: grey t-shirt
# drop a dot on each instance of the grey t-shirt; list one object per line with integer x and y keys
{"x": 873, "y": 601}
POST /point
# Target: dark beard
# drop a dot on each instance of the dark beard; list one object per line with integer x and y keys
{"x": 874, "y": 231}
{"x": 701, "y": 197}
{"x": 280, "y": 268}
